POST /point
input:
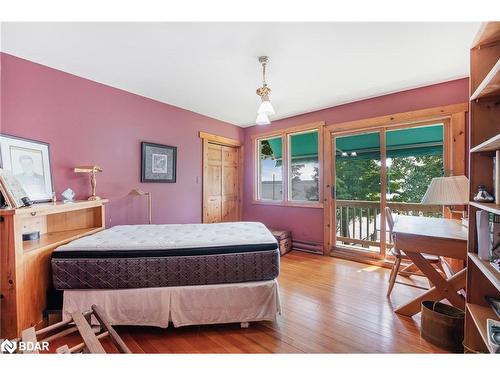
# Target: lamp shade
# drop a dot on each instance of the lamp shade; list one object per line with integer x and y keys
{"x": 453, "y": 190}
{"x": 266, "y": 107}
{"x": 262, "y": 119}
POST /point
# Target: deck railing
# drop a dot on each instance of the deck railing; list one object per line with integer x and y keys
{"x": 358, "y": 222}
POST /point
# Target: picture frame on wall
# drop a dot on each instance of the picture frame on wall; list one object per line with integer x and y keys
{"x": 29, "y": 162}
{"x": 158, "y": 163}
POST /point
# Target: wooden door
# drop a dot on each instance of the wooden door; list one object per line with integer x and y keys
{"x": 221, "y": 183}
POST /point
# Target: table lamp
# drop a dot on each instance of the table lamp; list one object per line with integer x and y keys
{"x": 448, "y": 191}
{"x": 93, "y": 169}
{"x": 139, "y": 192}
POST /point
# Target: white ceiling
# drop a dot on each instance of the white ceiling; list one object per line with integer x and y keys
{"x": 212, "y": 68}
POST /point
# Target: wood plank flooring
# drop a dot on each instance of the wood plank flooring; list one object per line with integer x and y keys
{"x": 329, "y": 306}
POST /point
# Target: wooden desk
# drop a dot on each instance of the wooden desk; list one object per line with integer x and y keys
{"x": 443, "y": 237}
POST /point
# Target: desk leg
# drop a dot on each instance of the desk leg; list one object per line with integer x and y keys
{"x": 442, "y": 289}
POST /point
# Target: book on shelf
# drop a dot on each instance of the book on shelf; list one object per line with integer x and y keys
{"x": 11, "y": 190}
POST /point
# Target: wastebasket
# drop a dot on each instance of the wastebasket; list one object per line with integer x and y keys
{"x": 443, "y": 325}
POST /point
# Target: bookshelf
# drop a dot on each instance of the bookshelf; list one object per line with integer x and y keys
{"x": 25, "y": 277}
{"x": 484, "y": 142}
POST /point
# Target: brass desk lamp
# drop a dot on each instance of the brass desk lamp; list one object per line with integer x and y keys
{"x": 93, "y": 169}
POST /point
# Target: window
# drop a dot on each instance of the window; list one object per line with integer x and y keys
{"x": 303, "y": 166}
{"x": 270, "y": 186}
{"x": 287, "y": 167}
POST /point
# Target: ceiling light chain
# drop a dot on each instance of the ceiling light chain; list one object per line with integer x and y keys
{"x": 263, "y": 61}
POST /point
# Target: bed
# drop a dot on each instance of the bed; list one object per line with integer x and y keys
{"x": 183, "y": 273}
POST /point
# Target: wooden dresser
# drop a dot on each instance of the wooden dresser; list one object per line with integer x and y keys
{"x": 25, "y": 265}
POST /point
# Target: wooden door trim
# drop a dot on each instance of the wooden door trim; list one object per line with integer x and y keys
{"x": 383, "y": 192}
{"x": 220, "y": 140}
{"x": 293, "y": 129}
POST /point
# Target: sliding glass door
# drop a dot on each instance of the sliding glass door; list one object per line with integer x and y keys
{"x": 372, "y": 170}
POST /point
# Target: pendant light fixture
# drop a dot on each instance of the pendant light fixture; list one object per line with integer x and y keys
{"x": 266, "y": 108}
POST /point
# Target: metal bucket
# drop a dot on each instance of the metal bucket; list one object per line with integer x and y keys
{"x": 443, "y": 325}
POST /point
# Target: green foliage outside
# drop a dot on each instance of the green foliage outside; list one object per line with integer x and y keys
{"x": 408, "y": 178}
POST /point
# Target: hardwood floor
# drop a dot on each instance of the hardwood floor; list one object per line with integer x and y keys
{"x": 329, "y": 306}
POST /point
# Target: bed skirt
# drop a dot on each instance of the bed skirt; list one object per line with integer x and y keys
{"x": 183, "y": 305}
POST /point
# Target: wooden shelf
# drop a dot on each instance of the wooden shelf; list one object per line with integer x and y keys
{"x": 487, "y": 269}
{"x": 490, "y": 207}
{"x": 26, "y": 269}
{"x": 54, "y": 239}
{"x": 489, "y": 145}
{"x": 479, "y": 315}
{"x": 490, "y": 85}
{"x": 488, "y": 33}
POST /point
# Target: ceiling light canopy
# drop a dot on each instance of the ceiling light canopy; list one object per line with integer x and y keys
{"x": 266, "y": 108}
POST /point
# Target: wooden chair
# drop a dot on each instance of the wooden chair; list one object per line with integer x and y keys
{"x": 410, "y": 269}
{"x": 81, "y": 323}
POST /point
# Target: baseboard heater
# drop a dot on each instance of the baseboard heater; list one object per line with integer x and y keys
{"x": 307, "y": 246}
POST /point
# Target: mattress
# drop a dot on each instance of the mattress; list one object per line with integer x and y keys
{"x": 148, "y": 256}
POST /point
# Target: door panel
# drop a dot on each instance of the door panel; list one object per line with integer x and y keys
{"x": 230, "y": 185}
{"x": 213, "y": 184}
{"x": 213, "y": 210}
{"x": 214, "y": 174}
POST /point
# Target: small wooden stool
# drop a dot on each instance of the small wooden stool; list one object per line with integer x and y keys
{"x": 284, "y": 238}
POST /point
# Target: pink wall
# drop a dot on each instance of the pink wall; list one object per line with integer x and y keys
{"x": 307, "y": 223}
{"x": 86, "y": 122}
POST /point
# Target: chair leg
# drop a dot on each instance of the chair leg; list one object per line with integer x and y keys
{"x": 394, "y": 274}
{"x": 409, "y": 270}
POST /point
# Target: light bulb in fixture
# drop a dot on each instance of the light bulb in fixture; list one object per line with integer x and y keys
{"x": 262, "y": 119}
{"x": 266, "y": 107}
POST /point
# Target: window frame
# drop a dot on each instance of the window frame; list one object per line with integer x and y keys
{"x": 259, "y": 176}
{"x": 285, "y": 137}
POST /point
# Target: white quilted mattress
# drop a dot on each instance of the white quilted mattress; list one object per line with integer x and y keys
{"x": 174, "y": 236}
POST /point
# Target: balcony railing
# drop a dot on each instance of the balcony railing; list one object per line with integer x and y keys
{"x": 358, "y": 222}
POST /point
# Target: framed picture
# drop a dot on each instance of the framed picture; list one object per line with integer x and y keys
{"x": 29, "y": 161}
{"x": 159, "y": 162}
